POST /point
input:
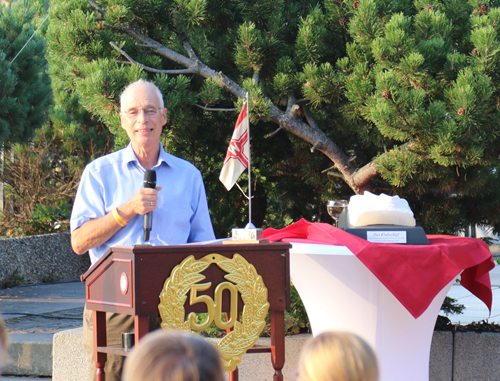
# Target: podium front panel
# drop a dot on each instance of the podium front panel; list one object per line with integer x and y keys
{"x": 141, "y": 271}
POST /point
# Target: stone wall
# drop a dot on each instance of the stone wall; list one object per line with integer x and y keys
{"x": 41, "y": 258}
{"x": 463, "y": 356}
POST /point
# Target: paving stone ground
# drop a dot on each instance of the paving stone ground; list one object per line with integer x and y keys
{"x": 43, "y": 308}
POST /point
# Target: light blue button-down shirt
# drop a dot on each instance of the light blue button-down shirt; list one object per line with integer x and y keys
{"x": 181, "y": 216}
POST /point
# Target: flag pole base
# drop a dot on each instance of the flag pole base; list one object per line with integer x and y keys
{"x": 250, "y": 234}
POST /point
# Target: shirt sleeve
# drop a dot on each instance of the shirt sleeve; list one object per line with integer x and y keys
{"x": 89, "y": 201}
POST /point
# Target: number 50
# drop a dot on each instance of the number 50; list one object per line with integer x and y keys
{"x": 214, "y": 308}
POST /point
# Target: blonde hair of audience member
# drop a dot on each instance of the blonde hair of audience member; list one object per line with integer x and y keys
{"x": 173, "y": 356}
{"x": 4, "y": 343}
{"x": 337, "y": 356}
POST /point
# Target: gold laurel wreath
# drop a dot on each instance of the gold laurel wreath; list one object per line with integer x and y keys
{"x": 253, "y": 293}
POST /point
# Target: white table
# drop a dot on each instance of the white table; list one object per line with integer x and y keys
{"x": 340, "y": 293}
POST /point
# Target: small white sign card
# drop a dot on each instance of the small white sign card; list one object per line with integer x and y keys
{"x": 386, "y": 236}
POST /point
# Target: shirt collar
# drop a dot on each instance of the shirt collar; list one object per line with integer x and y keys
{"x": 129, "y": 157}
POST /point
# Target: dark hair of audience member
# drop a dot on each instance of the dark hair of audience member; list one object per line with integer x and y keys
{"x": 338, "y": 356}
{"x": 173, "y": 356}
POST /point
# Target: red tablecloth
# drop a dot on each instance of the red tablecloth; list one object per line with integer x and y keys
{"x": 414, "y": 274}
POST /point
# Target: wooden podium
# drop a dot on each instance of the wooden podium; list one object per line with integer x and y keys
{"x": 129, "y": 280}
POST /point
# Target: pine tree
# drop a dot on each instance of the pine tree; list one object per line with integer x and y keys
{"x": 32, "y": 173}
{"x": 24, "y": 83}
{"x": 398, "y": 96}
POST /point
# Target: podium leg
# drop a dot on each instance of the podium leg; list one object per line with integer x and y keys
{"x": 141, "y": 327}
{"x": 100, "y": 358}
{"x": 233, "y": 376}
{"x": 278, "y": 343}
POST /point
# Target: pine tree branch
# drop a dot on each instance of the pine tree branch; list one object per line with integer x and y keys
{"x": 336, "y": 174}
{"x": 357, "y": 179}
{"x": 312, "y": 123}
{"x": 256, "y": 75}
{"x": 364, "y": 174}
{"x": 131, "y": 61}
{"x": 309, "y": 117}
{"x": 98, "y": 8}
{"x": 153, "y": 70}
{"x": 293, "y": 111}
{"x": 291, "y": 103}
{"x": 400, "y": 114}
{"x": 196, "y": 66}
{"x": 215, "y": 109}
{"x": 274, "y": 132}
{"x": 315, "y": 147}
{"x": 328, "y": 169}
{"x": 188, "y": 47}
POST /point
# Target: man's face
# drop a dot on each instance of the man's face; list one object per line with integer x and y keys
{"x": 142, "y": 129}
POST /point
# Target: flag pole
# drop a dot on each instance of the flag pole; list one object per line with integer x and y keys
{"x": 250, "y": 225}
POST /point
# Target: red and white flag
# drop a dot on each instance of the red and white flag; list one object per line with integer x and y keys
{"x": 238, "y": 152}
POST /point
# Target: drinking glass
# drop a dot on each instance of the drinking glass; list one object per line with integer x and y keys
{"x": 335, "y": 208}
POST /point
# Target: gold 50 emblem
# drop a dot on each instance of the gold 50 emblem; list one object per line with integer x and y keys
{"x": 243, "y": 278}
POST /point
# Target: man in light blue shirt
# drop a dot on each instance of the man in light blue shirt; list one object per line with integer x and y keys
{"x": 111, "y": 201}
{"x": 180, "y": 208}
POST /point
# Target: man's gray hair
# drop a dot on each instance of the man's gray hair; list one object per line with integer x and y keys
{"x": 140, "y": 82}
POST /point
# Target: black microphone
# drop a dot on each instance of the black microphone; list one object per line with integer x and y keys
{"x": 149, "y": 182}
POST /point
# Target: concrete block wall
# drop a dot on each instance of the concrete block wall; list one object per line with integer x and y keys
{"x": 39, "y": 257}
{"x": 441, "y": 357}
{"x": 70, "y": 359}
{"x": 463, "y": 356}
{"x": 258, "y": 366}
{"x": 476, "y": 356}
{"x": 30, "y": 355}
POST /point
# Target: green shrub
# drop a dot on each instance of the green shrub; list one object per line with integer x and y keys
{"x": 15, "y": 279}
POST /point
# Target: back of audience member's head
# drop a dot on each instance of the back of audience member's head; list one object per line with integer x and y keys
{"x": 338, "y": 356}
{"x": 173, "y": 356}
{"x": 4, "y": 343}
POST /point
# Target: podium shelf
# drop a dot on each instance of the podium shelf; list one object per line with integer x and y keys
{"x": 114, "y": 351}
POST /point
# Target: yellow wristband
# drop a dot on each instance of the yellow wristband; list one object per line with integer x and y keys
{"x": 120, "y": 221}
